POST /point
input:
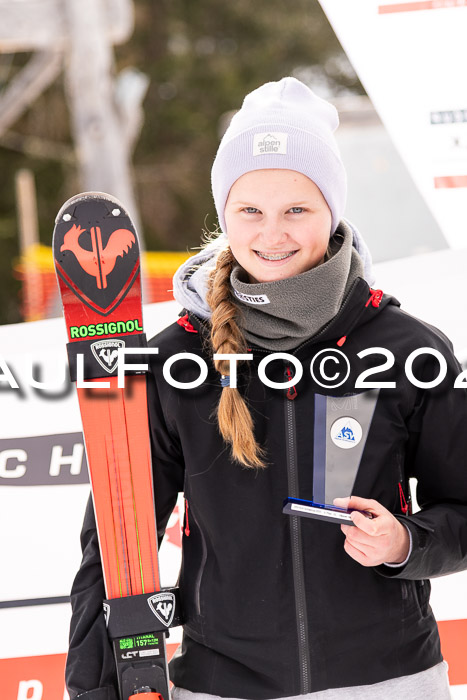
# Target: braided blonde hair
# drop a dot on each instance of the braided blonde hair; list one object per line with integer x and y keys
{"x": 233, "y": 415}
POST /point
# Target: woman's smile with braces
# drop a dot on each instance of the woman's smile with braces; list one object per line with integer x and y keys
{"x": 275, "y": 256}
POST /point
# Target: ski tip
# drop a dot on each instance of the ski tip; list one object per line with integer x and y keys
{"x": 96, "y": 251}
{"x": 87, "y": 197}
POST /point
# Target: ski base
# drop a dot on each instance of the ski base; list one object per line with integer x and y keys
{"x": 142, "y": 665}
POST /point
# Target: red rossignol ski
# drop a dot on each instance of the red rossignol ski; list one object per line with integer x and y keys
{"x": 97, "y": 263}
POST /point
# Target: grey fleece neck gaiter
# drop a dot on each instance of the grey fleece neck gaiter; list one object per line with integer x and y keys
{"x": 280, "y": 315}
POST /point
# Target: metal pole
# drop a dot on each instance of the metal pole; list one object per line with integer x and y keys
{"x": 29, "y": 237}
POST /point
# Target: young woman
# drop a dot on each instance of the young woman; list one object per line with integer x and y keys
{"x": 279, "y": 605}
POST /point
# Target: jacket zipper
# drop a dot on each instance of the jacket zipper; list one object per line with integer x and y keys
{"x": 405, "y": 509}
{"x": 403, "y": 488}
{"x": 186, "y": 528}
{"x": 292, "y": 390}
{"x": 203, "y": 563}
{"x": 297, "y": 555}
{"x": 403, "y": 502}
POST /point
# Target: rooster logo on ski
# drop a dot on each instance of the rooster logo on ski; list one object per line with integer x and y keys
{"x": 96, "y": 253}
{"x": 100, "y": 261}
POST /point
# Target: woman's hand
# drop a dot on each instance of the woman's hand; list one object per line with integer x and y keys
{"x": 377, "y": 540}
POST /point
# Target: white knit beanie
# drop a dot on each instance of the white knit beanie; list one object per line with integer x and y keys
{"x": 282, "y": 125}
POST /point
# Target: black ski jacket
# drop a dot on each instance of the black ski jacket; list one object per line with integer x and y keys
{"x": 274, "y": 606}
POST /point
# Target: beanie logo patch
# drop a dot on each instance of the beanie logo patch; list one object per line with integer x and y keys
{"x": 269, "y": 142}
{"x": 252, "y": 298}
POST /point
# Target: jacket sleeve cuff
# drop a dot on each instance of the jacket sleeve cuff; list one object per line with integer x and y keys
{"x": 107, "y": 693}
{"x": 403, "y": 563}
{"x": 413, "y": 567}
